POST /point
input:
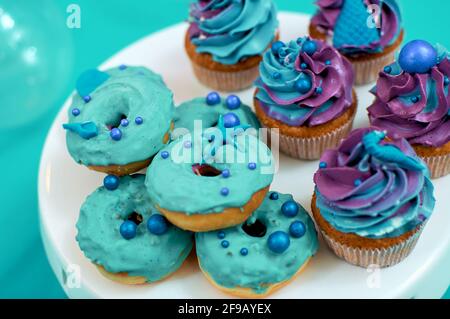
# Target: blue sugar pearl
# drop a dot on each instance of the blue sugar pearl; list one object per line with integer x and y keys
{"x": 225, "y": 243}
{"x": 157, "y": 224}
{"x": 226, "y": 173}
{"x": 233, "y": 102}
{"x": 231, "y": 120}
{"x": 244, "y": 251}
{"x": 388, "y": 69}
{"x": 221, "y": 234}
{"x": 274, "y": 196}
{"x": 165, "y": 154}
{"x": 124, "y": 122}
{"x": 319, "y": 90}
{"x": 213, "y": 98}
{"x": 304, "y": 66}
{"x": 122, "y": 67}
{"x": 328, "y": 62}
{"x": 128, "y": 229}
{"x": 224, "y": 191}
{"x": 252, "y": 166}
{"x": 116, "y": 134}
{"x": 415, "y": 99}
{"x": 446, "y": 80}
{"x": 282, "y": 53}
{"x": 187, "y": 144}
{"x": 276, "y": 75}
{"x": 138, "y": 120}
{"x": 87, "y": 98}
{"x": 111, "y": 182}
{"x": 297, "y": 229}
{"x": 418, "y": 56}
{"x": 276, "y": 46}
{"x": 289, "y": 208}
{"x": 278, "y": 242}
{"x": 303, "y": 85}
{"x": 358, "y": 182}
{"x": 76, "y": 112}
{"x": 309, "y": 47}
{"x": 323, "y": 165}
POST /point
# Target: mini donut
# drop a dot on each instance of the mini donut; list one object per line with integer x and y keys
{"x": 122, "y": 233}
{"x": 119, "y": 119}
{"x": 263, "y": 254}
{"x": 211, "y": 180}
{"x": 208, "y": 110}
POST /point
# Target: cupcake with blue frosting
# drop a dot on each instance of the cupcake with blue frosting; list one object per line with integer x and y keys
{"x": 367, "y": 32}
{"x": 412, "y": 101}
{"x": 372, "y": 199}
{"x": 305, "y": 96}
{"x": 226, "y": 39}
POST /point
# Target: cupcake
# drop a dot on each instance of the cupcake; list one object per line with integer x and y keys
{"x": 412, "y": 101}
{"x": 226, "y": 39}
{"x": 367, "y": 32}
{"x": 305, "y": 93}
{"x": 372, "y": 198}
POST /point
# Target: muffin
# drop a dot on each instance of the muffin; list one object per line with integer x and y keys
{"x": 226, "y": 39}
{"x": 412, "y": 102}
{"x": 305, "y": 95}
{"x": 367, "y": 33}
{"x": 372, "y": 198}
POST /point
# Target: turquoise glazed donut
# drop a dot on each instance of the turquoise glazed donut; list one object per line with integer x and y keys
{"x": 119, "y": 119}
{"x": 208, "y": 110}
{"x": 146, "y": 252}
{"x": 262, "y": 254}
{"x": 212, "y": 180}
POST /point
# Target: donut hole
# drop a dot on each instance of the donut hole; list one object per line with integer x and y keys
{"x": 115, "y": 123}
{"x": 205, "y": 170}
{"x": 256, "y": 229}
{"x": 135, "y": 218}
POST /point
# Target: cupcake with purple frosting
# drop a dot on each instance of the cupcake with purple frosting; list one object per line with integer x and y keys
{"x": 412, "y": 101}
{"x": 367, "y": 32}
{"x": 372, "y": 198}
{"x": 305, "y": 92}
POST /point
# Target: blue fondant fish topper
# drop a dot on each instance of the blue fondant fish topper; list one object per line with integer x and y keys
{"x": 389, "y": 153}
{"x": 90, "y": 80}
{"x": 85, "y": 130}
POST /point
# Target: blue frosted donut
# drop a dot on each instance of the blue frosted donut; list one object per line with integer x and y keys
{"x": 262, "y": 254}
{"x": 212, "y": 180}
{"x": 147, "y": 251}
{"x": 208, "y": 110}
{"x": 119, "y": 119}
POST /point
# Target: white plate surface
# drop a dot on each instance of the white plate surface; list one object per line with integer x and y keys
{"x": 63, "y": 186}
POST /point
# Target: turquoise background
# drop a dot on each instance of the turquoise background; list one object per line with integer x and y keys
{"x": 107, "y": 26}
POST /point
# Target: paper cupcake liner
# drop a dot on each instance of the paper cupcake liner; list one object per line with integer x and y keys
{"x": 312, "y": 148}
{"x": 439, "y": 165}
{"x": 366, "y": 71}
{"x": 226, "y": 81}
{"x": 384, "y": 257}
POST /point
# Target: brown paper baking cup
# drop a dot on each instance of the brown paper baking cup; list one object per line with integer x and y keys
{"x": 439, "y": 165}
{"x": 366, "y": 71}
{"x": 226, "y": 81}
{"x": 312, "y": 148}
{"x": 381, "y": 257}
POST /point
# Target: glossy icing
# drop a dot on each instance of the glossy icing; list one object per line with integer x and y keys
{"x": 148, "y": 255}
{"x": 258, "y": 266}
{"x": 328, "y": 72}
{"x": 373, "y": 187}
{"x": 352, "y": 26}
{"x": 129, "y": 92}
{"x": 173, "y": 185}
{"x": 231, "y": 30}
{"x": 412, "y": 105}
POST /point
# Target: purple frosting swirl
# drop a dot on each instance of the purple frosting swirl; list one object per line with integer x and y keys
{"x": 331, "y": 77}
{"x": 373, "y": 187}
{"x": 414, "y": 106}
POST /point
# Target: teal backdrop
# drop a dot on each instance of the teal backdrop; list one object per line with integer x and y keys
{"x": 107, "y": 26}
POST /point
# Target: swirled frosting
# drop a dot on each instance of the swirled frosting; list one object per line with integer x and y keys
{"x": 330, "y": 94}
{"x": 414, "y": 106}
{"x": 359, "y": 26}
{"x": 373, "y": 187}
{"x": 231, "y": 30}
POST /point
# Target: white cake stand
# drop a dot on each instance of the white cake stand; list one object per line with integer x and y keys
{"x": 63, "y": 186}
